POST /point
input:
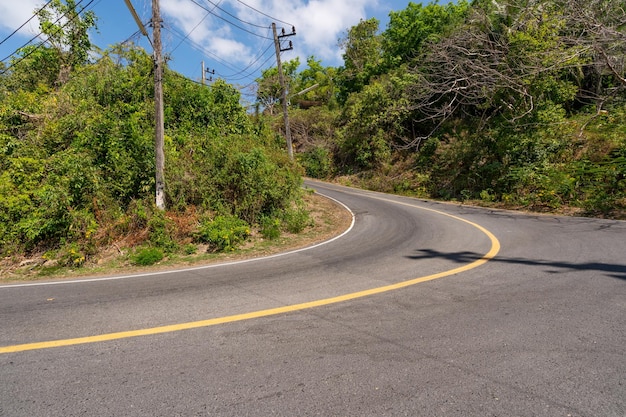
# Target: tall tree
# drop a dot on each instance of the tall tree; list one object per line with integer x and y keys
{"x": 66, "y": 28}
{"x": 412, "y": 27}
{"x": 269, "y": 90}
{"x": 314, "y": 85}
{"x": 362, "y": 56}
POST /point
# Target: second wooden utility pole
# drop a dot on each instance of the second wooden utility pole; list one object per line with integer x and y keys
{"x": 159, "y": 127}
{"x": 283, "y": 99}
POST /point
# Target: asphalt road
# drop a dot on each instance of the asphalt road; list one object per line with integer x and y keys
{"x": 420, "y": 309}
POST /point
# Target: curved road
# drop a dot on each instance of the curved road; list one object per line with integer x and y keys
{"x": 421, "y": 309}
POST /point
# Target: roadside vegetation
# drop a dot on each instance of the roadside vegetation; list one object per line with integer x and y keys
{"x": 510, "y": 104}
{"x": 77, "y": 159}
{"x": 513, "y": 104}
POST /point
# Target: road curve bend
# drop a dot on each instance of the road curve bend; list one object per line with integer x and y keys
{"x": 528, "y": 321}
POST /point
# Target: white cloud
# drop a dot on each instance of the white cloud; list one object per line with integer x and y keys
{"x": 319, "y": 25}
{"x": 14, "y": 13}
{"x": 322, "y": 22}
{"x": 208, "y": 32}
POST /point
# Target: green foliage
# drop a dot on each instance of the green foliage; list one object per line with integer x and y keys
{"x": 484, "y": 100}
{"x": 412, "y": 27}
{"x": 73, "y": 255}
{"x": 239, "y": 176}
{"x": 269, "y": 91}
{"x": 77, "y": 163}
{"x": 190, "y": 249}
{"x": 296, "y": 219}
{"x": 161, "y": 232}
{"x": 362, "y": 55}
{"x": 317, "y": 162}
{"x": 320, "y": 83}
{"x": 368, "y": 129}
{"x": 67, "y": 30}
{"x": 293, "y": 220}
{"x": 270, "y": 227}
{"x": 147, "y": 256}
{"x": 223, "y": 233}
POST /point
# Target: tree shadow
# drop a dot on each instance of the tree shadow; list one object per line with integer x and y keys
{"x": 612, "y": 270}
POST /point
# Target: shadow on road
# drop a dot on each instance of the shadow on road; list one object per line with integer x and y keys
{"x": 612, "y": 270}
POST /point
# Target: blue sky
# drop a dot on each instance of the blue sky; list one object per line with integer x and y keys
{"x": 232, "y": 37}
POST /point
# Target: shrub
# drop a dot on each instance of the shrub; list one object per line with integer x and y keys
{"x": 317, "y": 162}
{"x": 270, "y": 227}
{"x": 223, "y": 233}
{"x": 296, "y": 219}
{"x": 147, "y": 256}
{"x": 161, "y": 230}
{"x": 190, "y": 249}
{"x": 72, "y": 255}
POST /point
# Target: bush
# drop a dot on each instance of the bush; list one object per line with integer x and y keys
{"x": 190, "y": 249}
{"x": 296, "y": 219}
{"x": 270, "y": 227}
{"x": 317, "y": 162}
{"x": 147, "y": 256}
{"x": 161, "y": 230}
{"x": 224, "y": 233}
{"x": 72, "y": 255}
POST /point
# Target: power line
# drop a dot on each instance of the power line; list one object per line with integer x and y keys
{"x": 230, "y": 76}
{"x": 39, "y": 34}
{"x": 131, "y": 37}
{"x": 233, "y": 67}
{"x": 40, "y": 44}
{"x": 235, "y": 17}
{"x": 266, "y": 15}
{"x": 200, "y": 48}
{"x": 196, "y": 26}
{"x": 229, "y": 22}
{"x": 249, "y": 74}
{"x": 25, "y": 23}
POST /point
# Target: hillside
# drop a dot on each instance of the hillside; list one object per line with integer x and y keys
{"x": 514, "y": 104}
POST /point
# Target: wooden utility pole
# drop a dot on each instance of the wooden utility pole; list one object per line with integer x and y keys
{"x": 283, "y": 99}
{"x": 158, "y": 106}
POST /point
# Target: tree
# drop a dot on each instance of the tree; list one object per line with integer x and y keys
{"x": 318, "y": 82}
{"x": 412, "y": 27}
{"x": 362, "y": 57}
{"x": 502, "y": 64}
{"x": 67, "y": 29}
{"x": 269, "y": 90}
{"x": 598, "y": 29}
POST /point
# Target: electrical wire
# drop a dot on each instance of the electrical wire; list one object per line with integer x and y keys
{"x": 234, "y": 76}
{"x": 266, "y": 15}
{"x": 38, "y": 35}
{"x": 235, "y": 17}
{"x": 40, "y": 44}
{"x": 230, "y": 77}
{"x": 200, "y": 48}
{"x": 190, "y": 32}
{"x": 228, "y": 21}
{"x": 25, "y": 23}
{"x": 132, "y": 37}
{"x": 196, "y": 26}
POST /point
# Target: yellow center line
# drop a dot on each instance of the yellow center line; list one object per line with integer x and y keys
{"x": 495, "y": 248}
